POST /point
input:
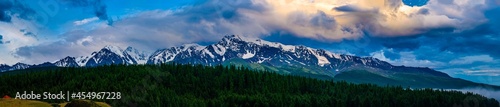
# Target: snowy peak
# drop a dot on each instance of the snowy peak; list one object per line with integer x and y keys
{"x": 67, "y": 62}
{"x": 134, "y": 56}
{"x": 232, "y": 38}
{"x": 4, "y": 67}
{"x": 191, "y": 47}
{"x": 254, "y": 50}
{"x": 113, "y": 49}
{"x": 19, "y": 66}
{"x": 235, "y": 40}
{"x": 113, "y": 55}
{"x": 239, "y": 48}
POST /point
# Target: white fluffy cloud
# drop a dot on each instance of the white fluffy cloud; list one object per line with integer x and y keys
{"x": 14, "y": 38}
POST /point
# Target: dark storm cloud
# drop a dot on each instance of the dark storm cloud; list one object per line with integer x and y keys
{"x": 11, "y": 7}
{"x": 98, "y": 6}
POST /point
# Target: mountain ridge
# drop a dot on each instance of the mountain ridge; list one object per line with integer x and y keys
{"x": 253, "y": 53}
{"x": 253, "y": 50}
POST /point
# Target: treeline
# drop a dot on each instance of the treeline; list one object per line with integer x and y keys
{"x": 197, "y": 85}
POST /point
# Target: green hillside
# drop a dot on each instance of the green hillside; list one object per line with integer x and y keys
{"x": 413, "y": 79}
{"x": 408, "y": 80}
{"x": 197, "y": 85}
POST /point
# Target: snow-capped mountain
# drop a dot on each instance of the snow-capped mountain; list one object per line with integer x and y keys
{"x": 263, "y": 52}
{"x": 270, "y": 56}
{"x": 67, "y": 62}
{"x": 108, "y": 55}
{"x": 4, "y": 67}
{"x": 19, "y": 66}
{"x": 238, "y": 50}
{"x": 134, "y": 56}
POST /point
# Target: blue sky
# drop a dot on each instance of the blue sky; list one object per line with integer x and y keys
{"x": 459, "y": 37}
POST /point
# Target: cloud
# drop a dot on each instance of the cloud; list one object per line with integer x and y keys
{"x": 1, "y": 40}
{"x": 424, "y": 35}
{"x": 407, "y": 59}
{"x": 85, "y": 21}
{"x": 376, "y": 18}
{"x": 347, "y": 8}
{"x": 42, "y": 53}
{"x": 472, "y": 59}
{"x": 147, "y": 30}
{"x": 98, "y": 6}
{"x": 12, "y": 38}
{"x": 483, "y": 72}
{"x": 475, "y": 70}
{"x": 9, "y": 8}
{"x": 484, "y": 91}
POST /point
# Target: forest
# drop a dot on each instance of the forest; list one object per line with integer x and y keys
{"x": 197, "y": 85}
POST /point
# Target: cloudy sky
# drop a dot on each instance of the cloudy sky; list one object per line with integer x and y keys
{"x": 459, "y": 37}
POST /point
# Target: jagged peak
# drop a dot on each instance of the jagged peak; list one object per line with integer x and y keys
{"x": 45, "y": 63}
{"x": 68, "y": 57}
{"x": 113, "y": 48}
{"x": 129, "y": 48}
{"x": 19, "y": 63}
{"x": 192, "y": 46}
{"x": 232, "y": 37}
{"x": 237, "y": 38}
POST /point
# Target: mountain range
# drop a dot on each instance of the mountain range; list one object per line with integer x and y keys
{"x": 271, "y": 56}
